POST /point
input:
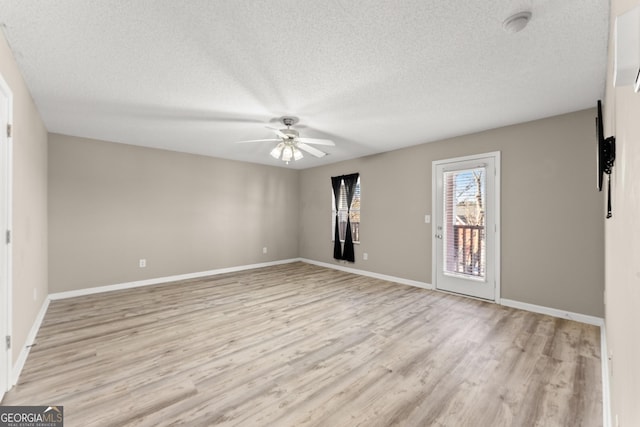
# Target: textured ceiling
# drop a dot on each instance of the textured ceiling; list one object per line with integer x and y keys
{"x": 195, "y": 76}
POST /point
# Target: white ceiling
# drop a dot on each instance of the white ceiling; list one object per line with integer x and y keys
{"x": 195, "y": 76}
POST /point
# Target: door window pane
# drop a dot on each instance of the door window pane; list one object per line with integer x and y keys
{"x": 464, "y": 222}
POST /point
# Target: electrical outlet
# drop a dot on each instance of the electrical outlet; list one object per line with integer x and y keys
{"x": 264, "y": 250}
{"x": 143, "y": 263}
{"x": 365, "y": 256}
{"x": 427, "y": 219}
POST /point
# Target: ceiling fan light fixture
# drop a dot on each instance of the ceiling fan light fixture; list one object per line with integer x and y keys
{"x": 277, "y": 151}
{"x": 287, "y": 153}
{"x": 289, "y": 144}
{"x": 516, "y": 22}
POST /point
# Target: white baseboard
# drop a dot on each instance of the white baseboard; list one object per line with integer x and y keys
{"x": 400, "y": 280}
{"x": 22, "y": 358}
{"x": 160, "y": 280}
{"x": 583, "y": 318}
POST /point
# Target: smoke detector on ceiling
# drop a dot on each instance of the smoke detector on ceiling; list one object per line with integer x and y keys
{"x": 516, "y": 22}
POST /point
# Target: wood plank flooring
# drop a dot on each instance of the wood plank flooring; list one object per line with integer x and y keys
{"x": 300, "y": 345}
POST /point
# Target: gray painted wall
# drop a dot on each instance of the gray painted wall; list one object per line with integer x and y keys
{"x": 113, "y": 204}
{"x": 552, "y": 216}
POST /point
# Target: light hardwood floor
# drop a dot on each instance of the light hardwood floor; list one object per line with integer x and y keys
{"x": 298, "y": 344}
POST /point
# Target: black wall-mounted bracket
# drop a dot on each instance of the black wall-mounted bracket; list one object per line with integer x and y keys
{"x": 606, "y": 157}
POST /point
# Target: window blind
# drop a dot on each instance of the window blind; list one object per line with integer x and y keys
{"x": 464, "y": 234}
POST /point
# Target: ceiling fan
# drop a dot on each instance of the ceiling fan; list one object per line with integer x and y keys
{"x": 290, "y": 142}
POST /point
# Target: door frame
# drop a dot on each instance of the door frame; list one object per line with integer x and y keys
{"x": 496, "y": 207}
{"x": 6, "y": 204}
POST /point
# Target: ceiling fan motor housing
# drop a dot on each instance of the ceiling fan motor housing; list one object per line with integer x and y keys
{"x": 291, "y": 134}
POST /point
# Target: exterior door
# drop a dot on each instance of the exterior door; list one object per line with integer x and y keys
{"x": 5, "y": 254}
{"x": 466, "y": 226}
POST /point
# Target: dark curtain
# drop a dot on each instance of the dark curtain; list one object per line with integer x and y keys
{"x": 337, "y": 248}
{"x": 350, "y": 182}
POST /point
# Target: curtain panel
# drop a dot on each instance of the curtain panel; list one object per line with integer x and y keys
{"x": 350, "y": 181}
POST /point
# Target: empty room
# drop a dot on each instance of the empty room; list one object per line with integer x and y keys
{"x": 330, "y": 213}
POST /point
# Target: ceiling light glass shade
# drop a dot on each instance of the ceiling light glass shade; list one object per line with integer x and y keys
{"x": 277, "y": 151}
{"x": 287, "y": 153}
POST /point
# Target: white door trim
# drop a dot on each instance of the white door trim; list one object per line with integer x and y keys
{"x": 497, "y": 204}
{"x": 6, "y": 167}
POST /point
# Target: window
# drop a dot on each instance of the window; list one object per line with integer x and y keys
{"x": 464, "y": 213}
{"x": 354, "y": 213}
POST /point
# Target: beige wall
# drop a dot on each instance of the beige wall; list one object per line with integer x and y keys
{"x": 622, "y": 237}
{"x": 552, "y": 216}
{"x": 113, "y": 204}
{"x": 29, "y": 203}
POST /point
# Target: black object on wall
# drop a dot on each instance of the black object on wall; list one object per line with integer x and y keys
{"x": 350, "y": 182}
{"x": 337, "y": 247}
{"x": 606, "y": 157}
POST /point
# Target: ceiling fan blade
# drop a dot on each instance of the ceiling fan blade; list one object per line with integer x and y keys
{"x": 311, "y": 150}
{"x": 317, "y": 141}
{"x": 259, "y": 140}
{"x": 278, "y": 132}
